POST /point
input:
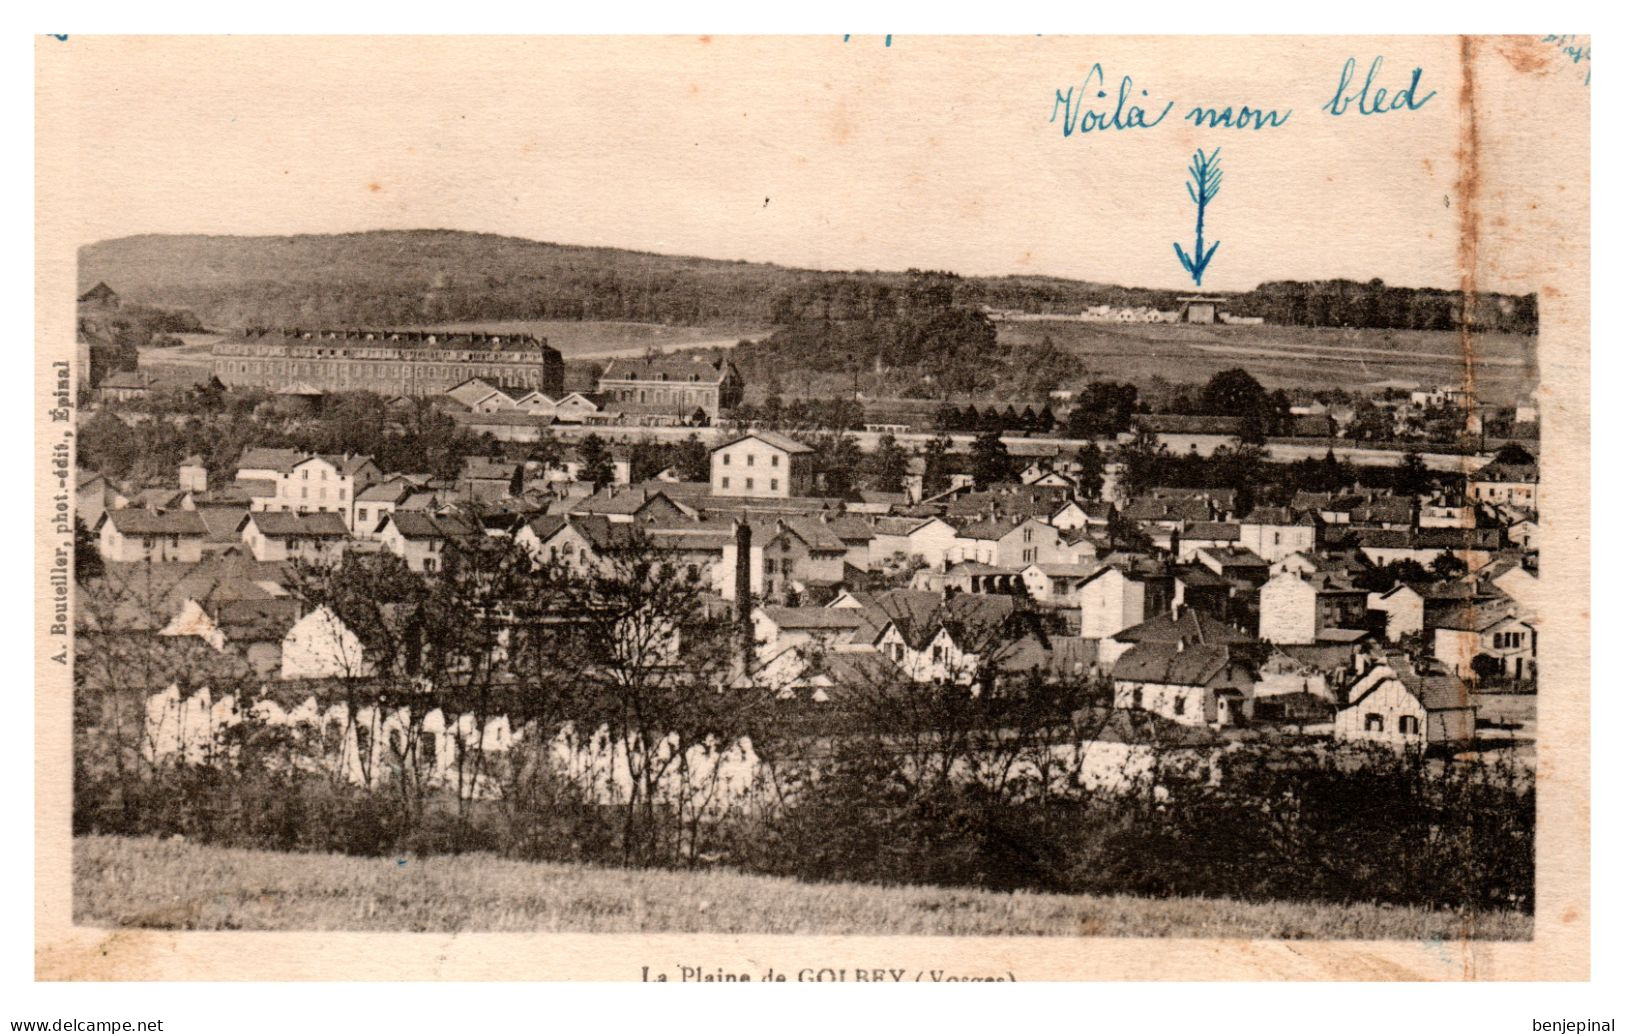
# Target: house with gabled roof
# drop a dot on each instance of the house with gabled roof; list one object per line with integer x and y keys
{"x": 928, "y": 538}
{"x": 1009, "y": 542}
{"x": 321, "y": 646}
{"x": 1514, "y": 483}
{"x": 1184, "y": 624}
{"x": 789, "y": 556}
{"x": 623, "y": 504}
{"x": 1402, "y": 609}
{"x": 126, "y": 386}
{"x": 273, "y": 536}
{"x": 1395, "y": 704}
{"x": 1495, "y": 629}
{"x": 423, "y": 539}
{"x": 1087, "y": 514}
{"x": 792, "y": 641}
{"x": 250, "y": 623}
{"x": 167, "y": 536}
{"x": 1299, "y": 609}
{"x": 1184, "y": 682}
{"x": 1275, "y": 531}
{"x": 673, "y": 385}
{"x": 574, "y": 541}
{"x": 472, "y": 392}
{"x": 1199, "y": 535}
{"x": 307, "y": 482}
{"x": 957, "y": 638}
{"x": 761, "y": 464}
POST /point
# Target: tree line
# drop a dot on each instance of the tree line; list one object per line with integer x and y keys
{"x": 418, "y": 277}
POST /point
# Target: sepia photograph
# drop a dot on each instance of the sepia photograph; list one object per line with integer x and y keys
{"x": 983, "y": 487}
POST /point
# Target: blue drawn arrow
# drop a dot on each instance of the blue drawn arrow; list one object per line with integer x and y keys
{"x": 1203, "y": 188}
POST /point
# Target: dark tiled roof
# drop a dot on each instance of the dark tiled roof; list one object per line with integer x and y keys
{"x": 664, "y": 370}
{"x": 304, "y": 525}
{"x": 1520, "y": 473}
{"x": 773, "y": 438}
{"x": 1213, "y": 531}
{"x": 1168, "y": 664}
{"x": 416, "y": 525}
{"x": 1191, "y": 626}
{"x": 151, "y": 522}
{"x": 814, "y": 617}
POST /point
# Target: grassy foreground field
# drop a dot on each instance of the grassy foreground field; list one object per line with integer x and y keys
{"x": 144, "y": 882}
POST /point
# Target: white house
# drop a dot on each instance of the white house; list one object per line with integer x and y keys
{"x": 1401, "y": 607}
{"x": 930, "y": 538}
{"x": 1514, "y": 483}
{"x": 305, "y": 483}
{"x": 1010, "y": 542}
{"x": 275, "y": 536}
{"x": 422, "y": 539}
{"x": 1273, "y": 532}
{"x": 1296, "y": 609}
{"x": 1191, "y": 684}
{"x": 1111, "y": 600}
{"x": 1494, "y": 629}
{"x": 762, "y": 464}
{"x": 172, "y": 536}
{"x": 1394, "y": 704}
{"x": 321, "y": 646}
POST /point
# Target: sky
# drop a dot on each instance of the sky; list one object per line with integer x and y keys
{"x": 932, "y": 152}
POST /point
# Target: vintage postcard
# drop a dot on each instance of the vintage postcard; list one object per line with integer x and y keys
{"x": 839, "y": 508}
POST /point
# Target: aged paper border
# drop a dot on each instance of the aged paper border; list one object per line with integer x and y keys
{"x": 1549, "y": 148}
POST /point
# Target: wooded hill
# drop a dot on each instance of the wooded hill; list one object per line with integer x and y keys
{"x": 417, "y": 277}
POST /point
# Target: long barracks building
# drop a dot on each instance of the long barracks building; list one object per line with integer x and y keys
{"x": 388, "y": 362}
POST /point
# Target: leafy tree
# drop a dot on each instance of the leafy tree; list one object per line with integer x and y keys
{"x": 692, "y": 459}
{"x": 1104, "y": 408}
{"x": 1447, "y": 565}
{"x": 597, "y": 466}
{"x": 1235, "y": 393}
{"x": 1145, "y": 459}
{"x": 1514, "y": 454}
{"x": 990, "y": 459}
{"x": 1412, "y": 477}
{"x": 935, "y": 455}
{"x": 835, "y": 461}
{"x": 1091, "y": 472}
{"x": 87, "y": 558}
{"x": 1486, "y": 667}
{"x": 888, "y": 464}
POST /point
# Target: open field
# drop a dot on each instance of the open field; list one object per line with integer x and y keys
{"x": 144, "y": 882}
{"x": 1504, "y": 365}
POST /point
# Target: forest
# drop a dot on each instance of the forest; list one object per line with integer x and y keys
{"x": 418, "y": 277}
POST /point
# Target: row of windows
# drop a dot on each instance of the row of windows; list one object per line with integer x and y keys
{"x": 750, "y": 461}
{"x": 1408, "y": 724}
{"x": 773, "y": 483}
{"x": 1508, "y": 640}
{"x": 359, "y": 371}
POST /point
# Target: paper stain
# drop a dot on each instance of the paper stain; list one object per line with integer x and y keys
{"x": 1469, "y": 184}
{"x": 1526, "y": 54}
